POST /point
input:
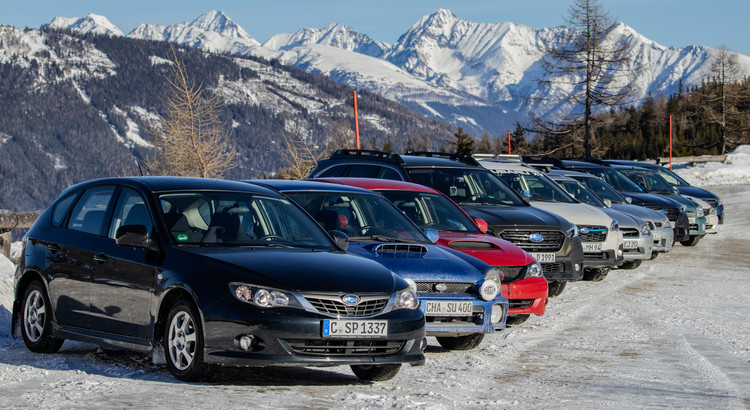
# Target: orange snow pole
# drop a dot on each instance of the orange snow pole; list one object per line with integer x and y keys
{"x": 508, "y": 142}
{"x": 670, "y": 142}
{"x": 356, "y": 119}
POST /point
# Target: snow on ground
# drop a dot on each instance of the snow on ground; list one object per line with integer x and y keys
{"x": 735, "y": 170}
{"x": 673, "y": 333}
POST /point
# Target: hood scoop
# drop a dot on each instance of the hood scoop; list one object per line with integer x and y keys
{"x": 402, "y": 249}
{"x": 472, "y": 245}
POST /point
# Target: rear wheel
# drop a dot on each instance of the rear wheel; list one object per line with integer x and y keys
{"x": 375, "y": 372}
{"x": 467, "y": 342}
{"x": 654, "y": 255}
{"x": 692, "y": 241}
{"x": 595, "y": 274}
{"x": 631, "y": 264}
{"x": 183, "y": 342}
{"x": 37, "y": 321}
{"x": 555, "y": 288}
{"x": 516, "y": 319}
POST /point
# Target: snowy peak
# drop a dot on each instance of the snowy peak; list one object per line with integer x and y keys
{"x": 334, "y": 35}
{"x": 219, "y": 23}
{"x": 90, "y": 23}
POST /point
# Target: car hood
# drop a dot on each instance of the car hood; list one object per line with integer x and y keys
{"x": 490, "y": 249}
{"x": 422, "y": 261}
{"x": 623, "y": 219}
{"x": 645, "y": 199}
{"x": 694, "y": 191}
{"x": 579, "y": 214}
{"x": 681, "y": 199}
{"x": 299, "y": 269}
{"x": 517, "y": 217}
{"x": 641, "y": 212}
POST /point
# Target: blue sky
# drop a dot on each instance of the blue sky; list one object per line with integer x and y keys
{"x": 668, "y": 22}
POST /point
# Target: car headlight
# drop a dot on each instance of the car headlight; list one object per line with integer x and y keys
{"x": 699, "y": 212}
{"x": 645, "y": 229}
{"x": 615, "y": 226}
{"x": 406, "y": 299}
{"x": 534, "y": 270}
{"x": 262, "y": 296}
{"x": 491, "y": 285}
{"x": 572, "y": 232}
{"x": 683, "y": 207}
{"x": 412, "y": 284}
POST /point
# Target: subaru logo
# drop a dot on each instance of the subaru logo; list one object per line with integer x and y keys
{"x": 350, "y": 300}
{"x": 441, "y": 287}
{"x": 584, "y": 230}
{"x": 536, "y": 237}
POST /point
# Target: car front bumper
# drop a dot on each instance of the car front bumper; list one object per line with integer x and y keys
{"x": 663, "y": 239}
{"x": 642, "y": 251}
{"x": 526, "y": 296}
{"x": 479, "y": 321}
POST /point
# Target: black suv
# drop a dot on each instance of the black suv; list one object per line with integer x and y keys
{"x": 551, "y": 239}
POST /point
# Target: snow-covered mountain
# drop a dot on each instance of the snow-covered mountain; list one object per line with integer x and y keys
{"x": 482, "y": 76}
{"x": 90, "y": 23}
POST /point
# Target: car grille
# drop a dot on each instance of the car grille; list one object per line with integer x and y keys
{"x": 595, "y": 256}
{"x": 450, "y": 287}
{"x": 693, "y": 227}
{"x": 672, "y": 213}
{"x": 552, "y": 242}
{"x": 553, "y": 267}
{"x": 333, "y": 305}
{"x": 519, "y": 303}
{"x": 712, "y": 202}
{"x": 595, "y": 233}
{"x": 629, "y": 233}
{"x": 345, "y": 347}
{"x": 510, "y": 273}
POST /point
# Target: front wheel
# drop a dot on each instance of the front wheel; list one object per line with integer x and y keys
{"x": 183, "y": 342}
{"x": 516, "y": 319}
{"x": 692, "y": 241}
{"x": 555, "y": 287}
{"x": 375, "y": 372}
{"x": 467, "y": 342}
{"x": 595, "y": 274}
{"x": 631, "y": 264}
{"x": 37, "y": 321}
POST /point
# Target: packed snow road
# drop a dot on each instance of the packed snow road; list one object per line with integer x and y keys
{"x": 673, "y": 333}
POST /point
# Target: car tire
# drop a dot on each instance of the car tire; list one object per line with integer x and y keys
{"x": 376, "y": 372}
{"x": 631, "y": 264}
{"x": 467, "y": 342}
{"x": 516, "y": 319}
{"x": 654, "y": 255}
{"x": 595, "y": 274}
{"x": 692, "y": 241}
{"x": 183, "y": 342}
{"x": 36, "y": 320}
{"x": 555, "y": 287}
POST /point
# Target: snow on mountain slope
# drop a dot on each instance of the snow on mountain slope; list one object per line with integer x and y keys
{"x": 90, "y": 23}
{"x": 211, "y": 31}
{"x": 333, "y": 34}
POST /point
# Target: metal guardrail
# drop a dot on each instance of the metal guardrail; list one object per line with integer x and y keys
{"x": 692, "y": 159}
{"x": 10, "y": 220}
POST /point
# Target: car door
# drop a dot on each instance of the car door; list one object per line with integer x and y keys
{"x": 71, "y": 255}
{"x": 122, "y": 287}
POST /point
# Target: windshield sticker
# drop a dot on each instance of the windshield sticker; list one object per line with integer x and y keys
{"x": 182, "y": 237}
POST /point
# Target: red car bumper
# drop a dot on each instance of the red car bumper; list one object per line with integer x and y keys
{"x": 526, "y": 296}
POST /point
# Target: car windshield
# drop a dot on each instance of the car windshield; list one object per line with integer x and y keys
{"x": 537, "y": 187}
{"x": 650, "y": 181}
{"x": 432, "y": 211}
{"x": 364, "y": 217}
{"x": 467, "y": 185}
{"x": 220, "y": 218}
{"x": 581, "y": 193}
{"x": 671, "y": 177}
{"x": 615, "y": 178}
{"x": 601, "y": 189}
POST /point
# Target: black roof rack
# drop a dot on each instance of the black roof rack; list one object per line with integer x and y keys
{"x": 543, "y": 162}
{"x": 592, "y": 161}
{"x": 455, "y": 157}
{"x": 370, "y": 154}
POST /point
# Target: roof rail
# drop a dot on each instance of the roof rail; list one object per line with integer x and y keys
{"x": 370, "y": 154}
{"x": 543, "y": 162}
{"x": 499, "y": 157}
{"x": 455, "y": 157}
{"x": 592, "y": 160}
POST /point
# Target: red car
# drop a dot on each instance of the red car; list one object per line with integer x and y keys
{"x": 523, "y": 282}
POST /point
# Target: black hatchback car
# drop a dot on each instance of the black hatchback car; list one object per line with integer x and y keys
{"x": 215, "y": 272}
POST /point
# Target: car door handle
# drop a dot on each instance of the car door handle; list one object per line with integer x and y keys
{"x": 100, "y": 258}
{"x": 53, "y": 247}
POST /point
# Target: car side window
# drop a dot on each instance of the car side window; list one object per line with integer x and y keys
{"x": 130, "y": 210}
{"x": 88, "y": 214}
{"x": 389, "y": 173}
{"x": 335, "y": 171}
{"x": 61, "y": 208}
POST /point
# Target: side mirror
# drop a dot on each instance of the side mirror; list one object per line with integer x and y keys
{"x": 629, "y": 199}
{"x": 341, "y": 239}
{"x": 526, "y": 199}
{"x": 135, "y": 236}
{"x": 432, "y": 235}
{"x": 607, "y": 202}
{"x": 481, "y": 224}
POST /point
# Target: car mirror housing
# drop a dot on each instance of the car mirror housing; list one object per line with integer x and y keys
{"x": 481, "y": 224}
{"x": 432, "y": 235}
{"x": 135, "y": 236}
{"x": 341, "y": 239}
{"x": 629, "y": 199}
{"x": 607, "y": 202}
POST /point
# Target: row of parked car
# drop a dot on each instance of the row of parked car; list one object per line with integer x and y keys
{"x": 355, "y": 265}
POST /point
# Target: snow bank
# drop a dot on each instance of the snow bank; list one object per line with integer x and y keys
{"x": 734, "y": 171}
{"x": 6, "y": 294}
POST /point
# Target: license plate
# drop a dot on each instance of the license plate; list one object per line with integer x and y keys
{"x": 657, "y": 236}
{"x": 592, "y": 247}
{"x": 359, "y": 328}
{"x": 544, "y": 257}
{"x": 630, "y": 245}
{"x": 447, "y": 307}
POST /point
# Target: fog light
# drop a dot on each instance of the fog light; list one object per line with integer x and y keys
{"x": 247, "y": 342}
{"x": 498, "y": 313}
{"x": 489, "y": 290}
{"x": 577, "y": 267}
{"x": 619, "y": 253}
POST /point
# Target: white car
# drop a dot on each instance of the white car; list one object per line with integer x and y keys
{"x": 600, "y": 235}
{"x": 709, "y": 212}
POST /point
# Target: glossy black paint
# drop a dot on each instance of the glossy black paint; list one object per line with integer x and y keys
{"x": 116, "y": 295}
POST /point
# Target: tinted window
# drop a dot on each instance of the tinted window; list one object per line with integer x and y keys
{"x": 336, "y": 171}
{"x": 433, "y": 211}
{"x": 601, "y": 189}
{"x": 467, "y": 185}
{"x": 389, "y": 173}
{"x": 62, "y": 207}
{"x": 581, "y": 193}
{"x": 535, "y": 186}
{"x": 88, "y": 214}
{"x": 363, "y": 171}
{"x": 130, "y": 210}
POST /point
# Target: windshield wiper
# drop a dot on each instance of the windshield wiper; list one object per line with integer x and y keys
{"x": 381, "y": 238}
